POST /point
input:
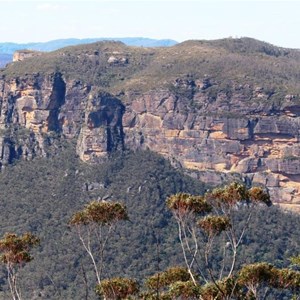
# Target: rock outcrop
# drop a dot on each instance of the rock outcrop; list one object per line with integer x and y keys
{"x": 261, "y": 145}
{"x": 20, "y": 55}
{"x": 39, "y": 105}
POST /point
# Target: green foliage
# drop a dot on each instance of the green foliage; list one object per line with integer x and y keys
{"x": 228, "y": 196}
{"x": 295, "y": 260}
{"x": 257, "y": 195}
{"x": 214, "y": 225}
{"x": 253, "y": 281}
{"x": 255, "y": 274}
{"x": 235, "y": 193}
{"x": 286, "y": 279}
{"x": 185, "y": 204}
{"x": 117, "y": 288}
{"x": 101, "y": 213}
{"x": 15, "y": 250}
{"x": 221, "y": 290}
{"x": 173, "y": 283}
{"x": 184, "y": 290}
{"x": 15, "y": 254}
{"x": 166, "y": 278}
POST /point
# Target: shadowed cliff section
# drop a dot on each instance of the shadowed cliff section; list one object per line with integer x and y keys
{"x": 57, "y": 99}
{"x": 102, "y": 132}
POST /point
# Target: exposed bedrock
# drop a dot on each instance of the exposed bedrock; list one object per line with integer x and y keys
{"x": 216, "y": 138}
{"x": 262, "y": 147}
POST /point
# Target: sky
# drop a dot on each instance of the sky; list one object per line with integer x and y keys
{"x": 276, "y": 22}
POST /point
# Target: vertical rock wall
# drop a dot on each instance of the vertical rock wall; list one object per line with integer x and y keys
{"x": 214, "y": 138}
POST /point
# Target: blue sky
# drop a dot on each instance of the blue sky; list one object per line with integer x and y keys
{"x": 277, "y": 22}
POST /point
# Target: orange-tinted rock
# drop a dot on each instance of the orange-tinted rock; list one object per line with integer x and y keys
{"x": 214, "y": 139}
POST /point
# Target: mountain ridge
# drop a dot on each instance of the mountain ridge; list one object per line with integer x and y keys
{"x": 7, "y": 49}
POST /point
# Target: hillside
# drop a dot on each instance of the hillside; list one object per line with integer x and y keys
{"x": 7, "y": 49}
{"x": 45, "y": 194}
{"x": 230, "y": 60}
{"x": 41, "y": 195}
{"x": 221, "y": 109}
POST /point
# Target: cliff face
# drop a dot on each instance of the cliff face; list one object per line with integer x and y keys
{"x": 216, "y": 131}
{"x": 41, "y": 105}
{"x": 213, "y": 138}
{"x": 262, "y": 144}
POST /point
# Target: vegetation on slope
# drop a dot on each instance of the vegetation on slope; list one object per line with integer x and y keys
{"x": 227, "y": 62}
{"x": 41, "y": 196}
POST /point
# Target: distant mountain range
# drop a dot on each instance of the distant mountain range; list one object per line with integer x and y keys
{"x": 7, "y": 49}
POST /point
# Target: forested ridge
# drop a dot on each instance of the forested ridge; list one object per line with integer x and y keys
{"x": 40, "y": 196}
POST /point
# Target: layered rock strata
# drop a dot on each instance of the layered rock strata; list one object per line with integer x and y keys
{"x": 214, "y": 137}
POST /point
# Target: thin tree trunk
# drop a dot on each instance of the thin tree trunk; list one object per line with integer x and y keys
{"x": 184, "y": 253}
{"x": 87, "y": 247}
{"x": 10, "y": 281}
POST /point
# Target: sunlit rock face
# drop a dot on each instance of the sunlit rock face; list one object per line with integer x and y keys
{"x": 48, "y": 104}
{"x": 215, "y": 138}
{"x": 20, "y": 55}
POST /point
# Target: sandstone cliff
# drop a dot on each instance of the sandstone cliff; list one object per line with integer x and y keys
{"x": 216, "y": 127}
{"x": 24, "y": 54}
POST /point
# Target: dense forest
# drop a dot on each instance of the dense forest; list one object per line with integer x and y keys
{"x": 42, "y": 195}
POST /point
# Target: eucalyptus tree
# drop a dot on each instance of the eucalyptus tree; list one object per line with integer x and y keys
{"x": 227, "y": 202}
{"x": 256, "y": 280}
{"x": 94, "y": 225}
{"x": 173, "y": 283}
{"x": 201, "y": 219}
{"x": 15, "y": 254}
{"x": 117, "y": 288}
{"x": 186, "y": 209}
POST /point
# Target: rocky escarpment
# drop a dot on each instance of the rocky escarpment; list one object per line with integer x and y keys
{"x": 36, "y": 106}
{"x": 216, "y": 126}
{"x": 224, "y": 136}
{"x": 214, "y": 138}
{"x": 102, "y": 130}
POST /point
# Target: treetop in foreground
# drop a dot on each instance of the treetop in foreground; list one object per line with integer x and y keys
{"x": 100, "y": 212}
